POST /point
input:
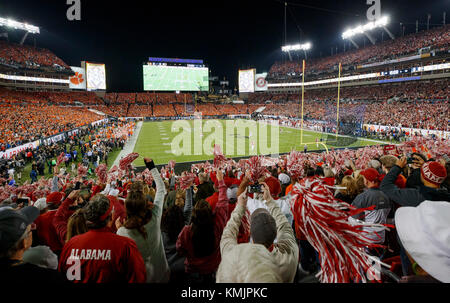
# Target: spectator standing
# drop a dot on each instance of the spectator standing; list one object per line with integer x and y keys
{"x": 373, "y": 196}
{"x": 270, "y": 232}
{"x": 103, "y": 255}
{"x": 143, "y": 225}
{"x": 432, "y": 175}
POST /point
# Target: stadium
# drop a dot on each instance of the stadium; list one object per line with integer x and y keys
{"x": 323, "y": 168}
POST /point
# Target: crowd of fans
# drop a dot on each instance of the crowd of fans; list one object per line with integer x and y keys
{"x": 56, "y": 98}
{"x": 421, "y": 115}
{"x": 21, "y": 124}
{"x": 435, "y": 38}
{"x": 148, "y": 98}
{"x": 237, "y": 222}
{"x": 25, "y": 56}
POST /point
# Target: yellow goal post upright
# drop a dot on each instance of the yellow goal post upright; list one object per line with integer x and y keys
{"x": 302, "y": 101}
{"x": 338, "y": 100}
{"x": 302, "y": 113}
{"x": 302, "y": 107}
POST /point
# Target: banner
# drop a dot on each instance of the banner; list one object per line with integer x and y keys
{"x": 409, "y": 131}
{"x": 54, "y": 139}
{"x": 260, "y": 82}
{"x": 9, "y": 153}
{"x": 99, "y": 122}
{"x": 78, "y": 81}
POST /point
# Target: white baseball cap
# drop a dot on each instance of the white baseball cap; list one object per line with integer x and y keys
{"x": 424, "y": 232}
{"x": 40, "y": 203}
{"x": 284, "y": 179}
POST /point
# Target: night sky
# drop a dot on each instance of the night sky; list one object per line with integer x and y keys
{"x": 227, "y": 35}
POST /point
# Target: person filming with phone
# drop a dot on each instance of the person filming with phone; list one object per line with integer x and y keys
{"x": 432, "y": 175}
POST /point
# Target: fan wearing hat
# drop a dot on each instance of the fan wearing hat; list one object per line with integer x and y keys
{"x": 266, "y": 225}
{"x": 432, "y": 175}
{"x": 424, "y": 232}
{"x": 15, "y": 239}
{"x": 373, "y": 196}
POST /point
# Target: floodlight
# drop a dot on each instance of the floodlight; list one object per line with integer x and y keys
{"x": 296, "y": 47}
{"x": 360, "y": 29}
{"x": 18, "y": 25}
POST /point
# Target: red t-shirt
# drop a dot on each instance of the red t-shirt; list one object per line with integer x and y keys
{"x": 46, "y": 231}
{"x": 104, "y": 257}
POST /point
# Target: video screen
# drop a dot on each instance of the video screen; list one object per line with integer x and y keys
{"x": 96, "y": 76}
{"x": 247, "y": 81}
{"x": 175, "y": 78}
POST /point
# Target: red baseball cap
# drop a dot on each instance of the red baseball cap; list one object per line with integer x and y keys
{"x": 55, "y": 198}
{"x": 274, "y": 186}
{"x": 371, "y": 174}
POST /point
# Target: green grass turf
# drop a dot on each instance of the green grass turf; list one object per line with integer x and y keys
{"x": 155, "y": 141}
{"x": 172, "y": 79}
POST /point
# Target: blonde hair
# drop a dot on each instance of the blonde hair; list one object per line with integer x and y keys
{"x": 180, "y": 198}
{"x": 360, "y": 183}
{"x": 328, "y": 173}
{"x": 248, "y": 263}
{"x": 351, "y": 189}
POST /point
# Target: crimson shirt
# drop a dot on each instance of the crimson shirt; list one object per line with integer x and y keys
{"x": 184, "y": 246}
{"x": 104, "y": 257}
{"x": 46, "y": 231}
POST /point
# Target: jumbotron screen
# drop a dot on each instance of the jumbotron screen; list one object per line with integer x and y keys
{"x": 247, "y": 81}
{"x": 175, "y": 78}
{"x": 96, "y": 76}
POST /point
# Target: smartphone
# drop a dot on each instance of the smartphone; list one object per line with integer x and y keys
{"x": 409, "y": 158}
{"x": 255, "y": 188}
{"x": 24, "y": 201}
{"x": 77, "y": 186}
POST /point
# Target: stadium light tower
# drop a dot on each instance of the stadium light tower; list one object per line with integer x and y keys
{"x": 28, "y": 28}
{"x": 365, "y": 29}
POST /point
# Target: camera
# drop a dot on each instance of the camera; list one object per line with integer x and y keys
{"x": 255, "y": 188}
{"x": 23, "y": 201}
{"x": 409, "y": 159}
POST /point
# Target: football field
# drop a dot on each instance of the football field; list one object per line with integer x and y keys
{"x": 162, "y": 78}
{"x": 184, "y": 141}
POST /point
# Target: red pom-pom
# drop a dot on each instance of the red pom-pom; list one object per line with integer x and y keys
{"x": 82, "y": 170}
{"x": 171, "y": 164}
{"x": 186, "y": 180}
{"x": 125, "y": 162}
{"x": 60, "y": 159}
{"x": 102, "y": 173}
{"x": 147, "y": 176}
{"x": 256, "y": 169}
{"x": 325, "y": 222}
{"x": 295, "y": 164}
{"x": 219, "y": 159}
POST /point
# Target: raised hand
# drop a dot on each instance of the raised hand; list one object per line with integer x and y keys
{"x": 266, "y": 192}
{"x": 242, "y": 199}
{"x": 401, "y": 162}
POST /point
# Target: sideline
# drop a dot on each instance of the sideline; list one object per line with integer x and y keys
{"x": 129, "y": 145}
